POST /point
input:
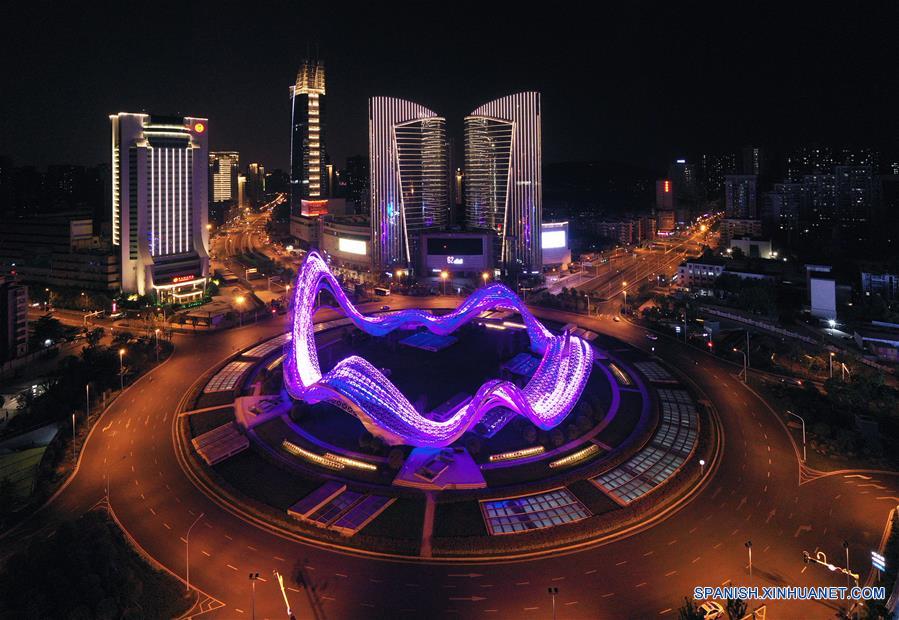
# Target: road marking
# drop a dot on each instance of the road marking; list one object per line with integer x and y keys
{"x": 717, "y": 546}
{"x": 672, "y": 542}
{"x": 234, "y": 568}
{"x": 252, "y": 548}
{"x": 664, "y": 611}
{"x": 590, "y": 572}
{"x": 571, "y": 603}
{"x": 167, "y": 526}
{"x": 557, "y": 579}
{"x": 669, "y": 573}
{"x": 608, "y": 595}
{"x": 531, "y": 608}
{"x": 692, "y": 530}
{"x": 802, "y": 528}
{"x": 153, "y": 511}
{"x": 240, "y": 611}
{"x": 206, "y": 553}
{"x": 418, "y": 585}
{"x": 648, "y": 553}
{"x": 622, "y": 563}
{"x": 341, "y": 575}
{"x": 640, "y": 585}
{"x": 696, "y": 559}
{"x": 228, "y": 537}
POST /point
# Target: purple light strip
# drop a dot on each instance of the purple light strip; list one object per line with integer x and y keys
{"x": 357, "y": 386}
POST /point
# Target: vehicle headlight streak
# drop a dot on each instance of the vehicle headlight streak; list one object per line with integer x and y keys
{"x": 546, "y": 400}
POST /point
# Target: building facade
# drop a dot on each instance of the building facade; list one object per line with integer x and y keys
{"x": 409, "y": 189}
{"x": 160, "y": 171}
{"x": 13, "y": 320}
{"x": 308, "y": 156}
{"x": 224, "y": 169}
{"x": 503, "y": 182}
{"x": 740, "y": 196}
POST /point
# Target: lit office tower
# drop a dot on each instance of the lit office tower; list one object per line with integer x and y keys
{"x": 223, "y": 171}
{"x": 503, "y": 187}
{"x": 160, "y": 170}
{"x": 409, "y": 187}
{"x": 307, "y": 130}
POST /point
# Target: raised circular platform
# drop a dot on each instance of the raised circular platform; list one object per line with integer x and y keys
{"x": 628, "y": 453}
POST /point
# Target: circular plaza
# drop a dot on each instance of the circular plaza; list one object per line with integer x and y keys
{"x": 469, "y": 429}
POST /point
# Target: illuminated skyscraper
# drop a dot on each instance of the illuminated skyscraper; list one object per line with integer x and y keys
{"x": 503, "y": 183}
{"x": 308, "y": 156}
{"x": 409, "y": 185}
{"x": 160, "y": 169}
{"x": 223, "y": 171}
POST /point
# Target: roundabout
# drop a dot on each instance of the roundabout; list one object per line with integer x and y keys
{"x": 140, "y": 462}
{"x": 527, "y": 439}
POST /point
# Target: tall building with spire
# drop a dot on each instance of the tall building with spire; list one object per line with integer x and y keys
{"x": 308, "y": 156}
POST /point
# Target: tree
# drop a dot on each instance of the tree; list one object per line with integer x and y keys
{"x": 94, "y": 336}
{"x": 736, "y": 608}
{"x": 689, "y": 611}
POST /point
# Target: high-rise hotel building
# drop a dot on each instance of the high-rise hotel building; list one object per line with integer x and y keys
{"x": 224, "y": 168}
{"x": 503, "y": 183}
{"x": 408, "y": 178}
{"x": 160, "y": 173}
{"x": 308, "y": 156}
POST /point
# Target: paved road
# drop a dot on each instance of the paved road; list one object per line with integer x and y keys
{"x": 755, "y": 495}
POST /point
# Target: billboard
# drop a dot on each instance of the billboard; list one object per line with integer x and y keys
{"x": 352, "y": 246}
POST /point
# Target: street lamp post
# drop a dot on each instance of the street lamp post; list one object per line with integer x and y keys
{"x": 744, "y": 372}
{"x": 485, "y": 276}
{"x": 156, "y": 333}
{"x": 443, "y": 276}
{"x": 87, "y": 403}
{"x": 121, "y": 369}
{"x": 253, "y": 578}
{"x": 748, "y": 545}
{"x": 801, "y": 419}
{"x": 74, "y": 441}
{"x": 831, "y": 364}
{"x": 240, "y": 299}
{"x": 848, "y": 572}
{"x": 553, "y": 592}
{"x": 701, "y": 467}
{"x": 187, "y": 549}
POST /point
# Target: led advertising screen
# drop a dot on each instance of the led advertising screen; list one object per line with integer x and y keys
{"x": 554, "y": 239}
{"x": 352, "y": 246}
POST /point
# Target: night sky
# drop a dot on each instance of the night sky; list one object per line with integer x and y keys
{"x": 639, "y": 85}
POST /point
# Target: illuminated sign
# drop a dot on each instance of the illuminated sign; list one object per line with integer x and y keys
{"x": 313, "y": 208}
{"x": 178, "y": 279}
{"x": 352, "y": 246}
{"x": 667, "y": 186}
{"x": 554, "y": 239}
{"x": 455, "y": 260}
{"x": 199, "y": 127}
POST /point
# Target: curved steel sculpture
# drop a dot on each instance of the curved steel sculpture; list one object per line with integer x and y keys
{"x": 360, "y": 388}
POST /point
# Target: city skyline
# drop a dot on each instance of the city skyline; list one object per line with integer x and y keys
{"x": 643, "y": 98}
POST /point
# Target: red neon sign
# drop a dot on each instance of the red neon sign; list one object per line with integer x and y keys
{"x": 178, "y": 279}
{"x": 667, "y": 186}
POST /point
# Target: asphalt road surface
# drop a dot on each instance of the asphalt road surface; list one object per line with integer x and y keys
{"x": 755, "y": 495}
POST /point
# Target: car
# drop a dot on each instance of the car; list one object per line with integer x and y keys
{"x": 616, "y": 319}
{"x": 385, "y": 308}
{"x": 651, "y": 336}
{"x": 712, "y": 610}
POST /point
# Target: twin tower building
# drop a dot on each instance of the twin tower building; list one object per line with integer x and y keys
{"x": 411, "y": 178}
{"x": 160, "y": 190}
